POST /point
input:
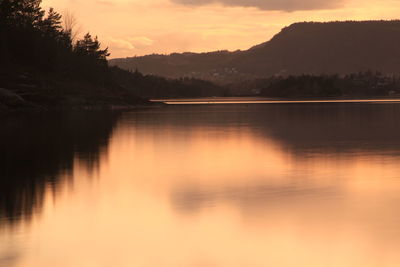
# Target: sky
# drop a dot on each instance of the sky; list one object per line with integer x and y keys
{"x": 140, "y": 27}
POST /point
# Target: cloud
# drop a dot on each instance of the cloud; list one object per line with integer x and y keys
{"x": 121, "y": 44}
{"x": 140, "y": 42}
{"x": 283, "y": 5}
{"x": 130, "y": 43}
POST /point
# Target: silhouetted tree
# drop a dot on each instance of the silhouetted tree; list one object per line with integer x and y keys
{"x": 91, "y": 47}
{"x": 21, "y": 13}
{"x": 51, "y": 25}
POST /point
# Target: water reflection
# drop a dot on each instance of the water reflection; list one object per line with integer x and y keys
{"x": 334, "y": 127}
{"x": 219, "y": 185}
{"x": 254, "y": 196}
{"x": 39, "y": 150}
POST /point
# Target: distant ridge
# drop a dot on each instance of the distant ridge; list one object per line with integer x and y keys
{"x": 302, "y": 48}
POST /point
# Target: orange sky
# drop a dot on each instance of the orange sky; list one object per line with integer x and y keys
{"x": 137, "y": 27}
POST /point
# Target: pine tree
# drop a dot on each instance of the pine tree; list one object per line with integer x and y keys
{"x": 51, "y": 25}
{"x": 21, "y": 13}
{"x": 91, "y": 47}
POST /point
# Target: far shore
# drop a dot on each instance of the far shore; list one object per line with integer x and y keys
{"x": 267, "y": 100}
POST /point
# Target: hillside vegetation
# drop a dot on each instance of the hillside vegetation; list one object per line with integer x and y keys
{"x": 302, "y": 48}
{"x": 42, "y": 67}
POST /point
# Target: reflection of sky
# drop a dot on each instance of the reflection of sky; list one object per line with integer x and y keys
{"x": 229, "y": 186}
{"x": 136, "y": 27}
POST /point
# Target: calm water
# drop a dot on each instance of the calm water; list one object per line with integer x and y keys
{"x": 305, "y": 185}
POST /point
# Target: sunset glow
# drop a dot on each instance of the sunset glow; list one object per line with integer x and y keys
{"x": 134, "y": 27}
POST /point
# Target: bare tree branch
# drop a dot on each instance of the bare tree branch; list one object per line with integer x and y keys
{"x": 70, "y": 25}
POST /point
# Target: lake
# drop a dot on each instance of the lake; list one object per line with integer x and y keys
{"x": 238, "y": 184}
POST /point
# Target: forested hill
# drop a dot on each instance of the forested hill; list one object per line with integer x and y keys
{"x": 43, "y": 67}
{"x": 302, "y": 48}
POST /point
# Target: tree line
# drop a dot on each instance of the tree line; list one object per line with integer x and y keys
{"x": 43, "y": 63}
{"x": 362, "y": 84}
{"x": 156, "y": 87}
{"x": 33, "y": 37}
{"x": 36, "y": 41}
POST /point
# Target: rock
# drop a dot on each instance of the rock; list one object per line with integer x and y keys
{"x": 9, "y": 98}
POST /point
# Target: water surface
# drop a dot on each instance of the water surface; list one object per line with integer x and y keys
{"x": 301, "y": 184}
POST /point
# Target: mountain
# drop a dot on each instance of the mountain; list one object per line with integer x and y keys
{"x": 302, "y": 48}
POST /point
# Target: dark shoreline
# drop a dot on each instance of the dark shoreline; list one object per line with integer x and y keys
{"x": 29, "y": 107}
{"x": 32, "y": 108}
{"x": 270, "y": 99}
